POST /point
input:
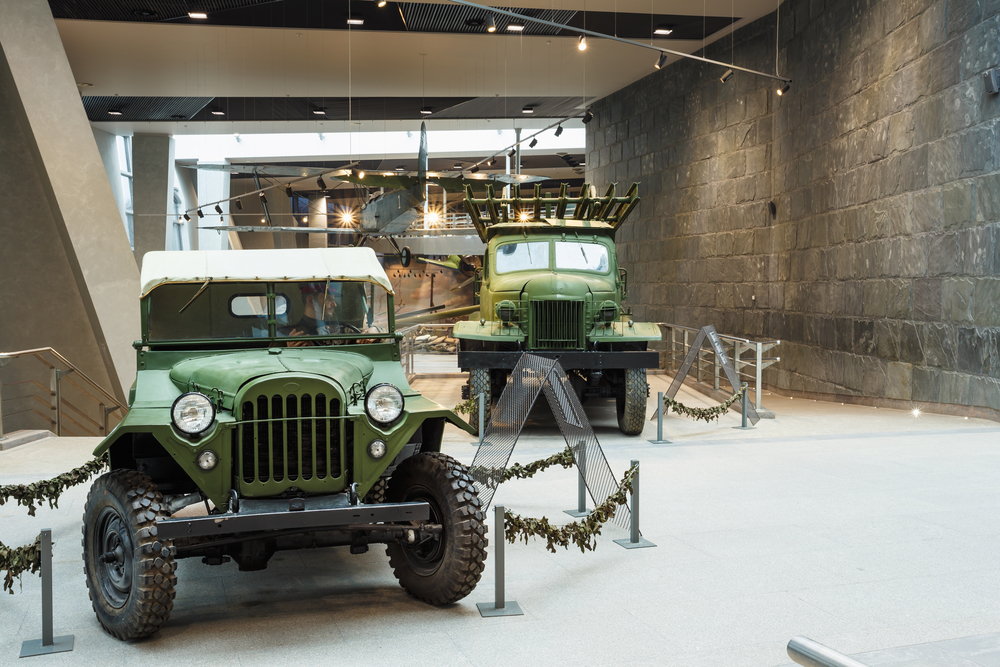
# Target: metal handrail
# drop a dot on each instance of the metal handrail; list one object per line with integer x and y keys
{"x": 808, "y": 653}
{"x": 407, "y": 344}
{"x": 54, "y": 391}
{"x": 740, "y": 344}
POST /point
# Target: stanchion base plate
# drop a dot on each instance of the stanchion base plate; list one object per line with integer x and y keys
{"x": 744, "y": 428}
{"x": 489, "y": 609}
{"x": 629, "y": 544}
{"x": 34, "y": 646}
{"x": 660, "y": 442}
{"x": 578, "y": 513}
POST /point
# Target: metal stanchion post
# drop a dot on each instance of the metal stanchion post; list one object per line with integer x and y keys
{"x": 636, "y": 541}
{"x": 500, "y": 606}
{"x": 47, "y": 644}
{"x": 581, "y": 495}
{"x": 659, "y": 421}
{"x": 743, "y": 406}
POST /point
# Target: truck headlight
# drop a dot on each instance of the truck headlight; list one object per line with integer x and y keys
{"x": 506, "y": 311}
{"x": 609, "y": 311}
{"x": 192, "y": 413}
{"x": 384, "y": 403}
{"x": 207, "y": 459}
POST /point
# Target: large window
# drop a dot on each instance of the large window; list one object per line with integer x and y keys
{"x": 522, "y": 256}
{"x": 125, "y": 165}
{"x": 571, "y": 255}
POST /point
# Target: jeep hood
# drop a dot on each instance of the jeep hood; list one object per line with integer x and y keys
{"x": 227, "y": 372}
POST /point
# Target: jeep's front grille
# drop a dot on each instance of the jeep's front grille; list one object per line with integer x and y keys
{"x": 556, "y": 325}
{"x": 287, "y": 438}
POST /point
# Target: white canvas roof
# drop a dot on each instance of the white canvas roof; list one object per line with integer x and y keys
{"x": 197, "y": 266}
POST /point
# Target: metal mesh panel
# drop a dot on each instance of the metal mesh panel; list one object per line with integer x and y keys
{"x": 531, "y": 376}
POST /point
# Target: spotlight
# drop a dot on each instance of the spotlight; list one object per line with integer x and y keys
{"x": 288, "y": 191}
{"x": 474, "y": 169}
{"x": 357, "y": 173}
{"x": 491, "y": 25}
{"x": 433, "y": 217}
{"x": 492, "y": 162}
{"x": 587, "y": 117}
{"x": 916, "y": 412}
{"x": 381, "y": 3}
{"x": 239, "y": 204}
{"x": 523, "y": 216}
{"x": 559, "y": 130}
{"x": 784, "y": 89}
{"x": 218, "y": 209}
{"x": 187, "y": 217}
{"x": 427, "y": 111}
{"x": 581, "y": 43}
{"x": 200, "y": 214}
{"x": 263, "y": 198}
{"x": 726, "y": 76}
{"x": 321, "y": 184}
{"x": 347, "y": 218}
{"x": 512, "y": 153}
{"x": 534, "y": 142}
{"x": 661, "y": 61}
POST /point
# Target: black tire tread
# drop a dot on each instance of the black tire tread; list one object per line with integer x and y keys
{"x": 154, "y": 565}
{"x": 632, "y": 405}
{"x": 458, "y": 576}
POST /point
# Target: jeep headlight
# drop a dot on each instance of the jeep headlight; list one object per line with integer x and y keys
{"x": 384, "y": 403}
{"x": 192, "y": 413}
{"x": 608, "y": 311}
{"x": 506, "y": 311}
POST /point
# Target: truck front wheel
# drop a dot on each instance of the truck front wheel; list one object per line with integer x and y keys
{"x": 130, "y": 573}
{"x": 446, "y": 568}
{"x": 479, "y": 383}
{"x": 631, "y": 402}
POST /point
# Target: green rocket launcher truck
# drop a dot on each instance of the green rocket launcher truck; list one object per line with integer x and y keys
{"x": 551, "y": 285}
{"x": 269, "y": 392}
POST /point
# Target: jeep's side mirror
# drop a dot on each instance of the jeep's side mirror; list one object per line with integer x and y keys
{"x": 623, "y": 281}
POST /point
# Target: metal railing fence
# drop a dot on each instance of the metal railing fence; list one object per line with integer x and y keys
{"x": 49, "y": 399}
{"x": 747, "y": 355}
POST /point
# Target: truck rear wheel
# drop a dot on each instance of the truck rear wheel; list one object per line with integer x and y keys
{"x": 130, "y": 573}
{"x": 631, "y": 402}
{"x": 479, "y": 383}
{"x": 446, "y": 568}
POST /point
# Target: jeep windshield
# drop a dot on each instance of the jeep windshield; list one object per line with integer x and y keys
{"x": 240, "y": 310}
{"x": 569, "y": 256}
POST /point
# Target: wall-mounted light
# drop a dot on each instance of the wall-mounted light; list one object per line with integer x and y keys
{"x": 588, "y": 116}
{"x": 726, "y": 76}
{"x": 559, "y": 130}
{"x": 661, "y": 62}
{"x": 784, "y": 89}
{"x": 491, "y": 24}
{"x": 534, "y": 142}
{"x": 581, "y": 43}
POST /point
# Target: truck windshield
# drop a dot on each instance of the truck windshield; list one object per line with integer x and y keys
{"x": 208, "y": 311}
{"x": 522, "y": 256}
{"x": 571, "y": 255}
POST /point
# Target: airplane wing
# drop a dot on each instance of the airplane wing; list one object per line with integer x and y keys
{"x": 453, "y": 262}
{"x": 438, "y": 315}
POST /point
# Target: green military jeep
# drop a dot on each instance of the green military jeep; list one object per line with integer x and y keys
{"x": 551, "y": 285}
{"x": 266, "y": 391}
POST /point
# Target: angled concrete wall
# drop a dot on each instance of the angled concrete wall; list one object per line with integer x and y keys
{"x": 879, "y": 271}
{"x": 68, "y": 277}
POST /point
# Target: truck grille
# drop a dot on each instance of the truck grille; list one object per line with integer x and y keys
{"x": 287, "y": 438}
{"x": 556, "y": 325}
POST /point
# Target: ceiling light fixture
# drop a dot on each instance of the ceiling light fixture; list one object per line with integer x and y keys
{"x": 200, "y": 214}
{"x": 218, "y": 209}
{"x": 263, "y": 198}
{"x": 512, "y": 153}
{"x": 355, "y": 20}
{"x": 534, "y": 142}
{"x": 559, "y": 130}
{"x": 218, "y": 112}
{"x": 784, "y": 89}
{"x": 321, "y": 184}
{"x": 581, "y": 43}
{"x": 288, "y": 191}
{"x": 381, "y": 3}
{"x": 427, "y": 111}
{"x": 319, "y": 112}
{"x": 458, "y": 165}
{"x": 187, "y": 217}
{"x": 492, "y": 162}
{"x": 239, "y": 204}
{"x": 527, "y": 110}
{"x": 661, "y": 61}
{"x": 197, "y": 15}
{"x": 474, "y": 169}
{"x": 401, "y": 168}
{"x": 726, "y": 76}
{"x": 513, "y": 27}
{"x": 114, "y": 112}
{"x": 357, "y": 173}
{"x": 491, "y": 24}
{"x": 588, "y": 116}
{"x": 663, "y": 31}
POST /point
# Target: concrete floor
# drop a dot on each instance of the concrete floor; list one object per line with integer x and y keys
{"x": 869, "y": 530}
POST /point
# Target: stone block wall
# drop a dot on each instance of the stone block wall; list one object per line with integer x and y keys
{"x": 878, "y": 268}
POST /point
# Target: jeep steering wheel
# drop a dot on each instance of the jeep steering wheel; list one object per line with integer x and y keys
{"x": 350, "y": 327}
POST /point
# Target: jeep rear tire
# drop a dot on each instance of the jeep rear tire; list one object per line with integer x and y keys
{"x": 443, "y": 569}
{"x": 130, "y": 573}
{"x": 631, "y": 402}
